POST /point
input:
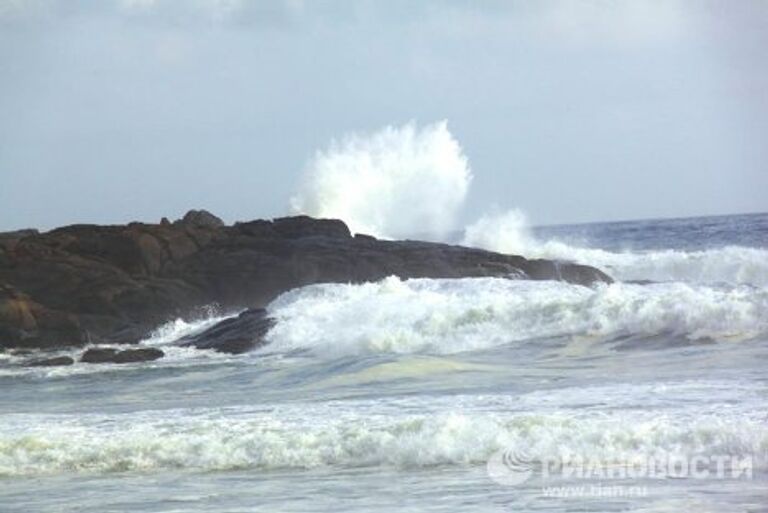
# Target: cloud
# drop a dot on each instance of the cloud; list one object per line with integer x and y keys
{"x": 575, "y": 21}
{"x": 16, "y": 10}
{"x": 597, "y": 97}
{"x": 186, "y": 12}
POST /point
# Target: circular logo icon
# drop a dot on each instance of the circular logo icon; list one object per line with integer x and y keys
{"x": 509, "y": 468}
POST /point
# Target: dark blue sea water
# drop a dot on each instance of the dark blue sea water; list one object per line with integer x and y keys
{"x": 649, "y": 394}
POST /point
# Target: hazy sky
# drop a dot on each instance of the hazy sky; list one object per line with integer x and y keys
{"x": 572, "y": 111}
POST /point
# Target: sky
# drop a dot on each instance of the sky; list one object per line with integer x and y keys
{"x": 112, "y": 111}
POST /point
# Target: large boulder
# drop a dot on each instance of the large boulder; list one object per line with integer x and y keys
{"x": 201, "y": 218}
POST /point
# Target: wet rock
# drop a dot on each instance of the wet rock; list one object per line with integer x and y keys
{"x": 52, "y": 362}
{"x": 145, "y": 354}
{"x": 111, "y": 355}
{"x": 99, "y": 355}
{"x": 234, "y": 335}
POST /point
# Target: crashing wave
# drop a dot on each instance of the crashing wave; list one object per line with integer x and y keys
{"x": 329, "y": 434}
{"x": 452, "y": 316}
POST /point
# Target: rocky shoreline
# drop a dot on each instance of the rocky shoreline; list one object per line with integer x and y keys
{"x": 81, "y": 285}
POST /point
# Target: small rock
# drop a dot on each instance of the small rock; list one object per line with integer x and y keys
{"x": 109, "y": 355}
{"x": 145, "y": 354}
{"x": 52, "y": 362}
{"x": 99, "y": 355}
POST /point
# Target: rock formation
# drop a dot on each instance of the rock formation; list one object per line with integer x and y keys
{"x": 85, "y": 284}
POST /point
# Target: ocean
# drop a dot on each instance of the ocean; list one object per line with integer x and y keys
{"x": 648, "y": 394}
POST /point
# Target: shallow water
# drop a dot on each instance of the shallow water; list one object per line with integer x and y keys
{"x": 396, "y": 394}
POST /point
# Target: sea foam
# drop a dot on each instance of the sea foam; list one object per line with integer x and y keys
{"x": 509, "y": 232}
{"x": 457, "y": 315}
{"x": 359, "y": 434}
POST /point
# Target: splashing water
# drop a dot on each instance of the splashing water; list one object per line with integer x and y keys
{"x": 411, "y": 180}
{"x": 509, "y": 233}
{"x": 394, "y": 182}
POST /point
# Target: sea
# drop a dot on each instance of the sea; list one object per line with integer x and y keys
{"x": 649, "y": 394}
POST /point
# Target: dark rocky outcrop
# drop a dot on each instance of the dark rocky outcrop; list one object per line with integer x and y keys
{"x": 26, "y": 323}
{"x": 234, "y": 335}
{"x": 18, "y": 234}
{"x": 111, "y": 355}
{"x": 52, "y": 362}
{"x": 85, "y": 284}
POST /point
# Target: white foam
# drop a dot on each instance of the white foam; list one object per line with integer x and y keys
{"x": 738, "y": 265}
{"x": 448, "y": 431}
{"x": 451, "y": 316}
{"x": 508, "y": 232}
{"x": 389, "y": 183}
{"x": 171, "y": 331}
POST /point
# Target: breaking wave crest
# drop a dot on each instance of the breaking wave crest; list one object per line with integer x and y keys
{"x": 311, "y": 436}
{"x": 509, "y": 233}
{"x": 451, "y": 316}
